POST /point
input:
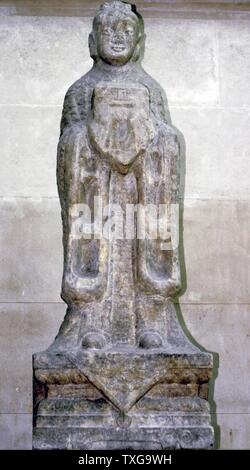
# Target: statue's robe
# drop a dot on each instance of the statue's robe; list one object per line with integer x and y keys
{"x": 90, "y": 276}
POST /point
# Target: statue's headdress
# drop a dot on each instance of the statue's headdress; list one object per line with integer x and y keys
{"x": 118, "y": 6}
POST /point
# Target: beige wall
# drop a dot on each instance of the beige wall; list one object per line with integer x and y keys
{"x": 201, "y": 56}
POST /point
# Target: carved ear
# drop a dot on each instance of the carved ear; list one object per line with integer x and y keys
{"x": 92, "y": 46}
{"x": 139, "y": 50}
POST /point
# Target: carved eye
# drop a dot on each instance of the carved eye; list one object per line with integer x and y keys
{"x": 106, "y": 31}
{"x": 128, "y": 32}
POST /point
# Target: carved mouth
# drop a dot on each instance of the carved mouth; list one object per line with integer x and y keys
{"x": 118, "y": 47}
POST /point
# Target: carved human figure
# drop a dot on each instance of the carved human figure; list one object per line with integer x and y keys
{"x": 116, "y": 146}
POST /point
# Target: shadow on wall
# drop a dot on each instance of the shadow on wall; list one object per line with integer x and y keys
{"x": 184, "y": 280}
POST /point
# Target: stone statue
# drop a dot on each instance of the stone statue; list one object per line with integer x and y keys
{"x": 116, "y": 142}
{"x": 120, "y": 339}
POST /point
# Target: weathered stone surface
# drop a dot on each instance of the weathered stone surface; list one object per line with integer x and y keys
{"x": 128, "y": 376}
{"x": 117, "y": 150}
{"x": 135, "y": 438}
{"x": 68, "y": 418}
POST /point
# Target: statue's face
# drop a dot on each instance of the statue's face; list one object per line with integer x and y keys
{"x": 117, "y": 39}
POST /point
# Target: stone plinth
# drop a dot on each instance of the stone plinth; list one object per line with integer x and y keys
{"x": 123, "y": 399}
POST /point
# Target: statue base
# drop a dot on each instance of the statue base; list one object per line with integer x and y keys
{"x": 126, "y": 398}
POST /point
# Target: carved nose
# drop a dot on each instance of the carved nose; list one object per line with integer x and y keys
{"x": 118, "y": 36}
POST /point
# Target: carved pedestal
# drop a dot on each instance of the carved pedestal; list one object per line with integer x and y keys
{"x": 126, "y": 398}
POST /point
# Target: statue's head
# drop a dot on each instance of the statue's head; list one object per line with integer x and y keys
{"x": 118, "y": 34}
